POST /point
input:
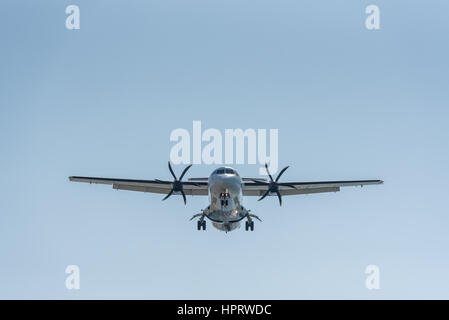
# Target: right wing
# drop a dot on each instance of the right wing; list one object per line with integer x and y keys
{"x": 154, "y": 186}
{"x": 257, "y": 188}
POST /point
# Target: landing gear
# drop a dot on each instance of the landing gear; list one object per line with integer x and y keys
{"x": 249, "y": 224}
{"x": 201, "y": 224}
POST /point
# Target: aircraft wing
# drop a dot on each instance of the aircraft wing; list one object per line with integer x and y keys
{"x": 257, "y": 188}
{"x": 153, "y": 186}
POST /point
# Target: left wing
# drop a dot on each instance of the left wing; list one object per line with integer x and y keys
{"x": 154, "y": 186}
{"x": 257, "y": 188}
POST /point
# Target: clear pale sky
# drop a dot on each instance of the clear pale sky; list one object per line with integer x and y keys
{"x": 349, "y": 103}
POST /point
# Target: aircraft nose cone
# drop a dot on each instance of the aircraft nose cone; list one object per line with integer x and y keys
{"x": 231, "y": 184}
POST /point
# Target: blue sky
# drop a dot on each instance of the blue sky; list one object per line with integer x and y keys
{"x": 101, "y": 101}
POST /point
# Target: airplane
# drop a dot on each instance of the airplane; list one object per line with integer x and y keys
{"x": 225, "y": 189}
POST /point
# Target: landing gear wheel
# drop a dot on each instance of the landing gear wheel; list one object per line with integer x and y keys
{"x": 201, "y": 225}
{"x": 251, "y": 225}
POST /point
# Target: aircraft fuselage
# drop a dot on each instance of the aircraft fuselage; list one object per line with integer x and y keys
{"x": 225, "y": 196}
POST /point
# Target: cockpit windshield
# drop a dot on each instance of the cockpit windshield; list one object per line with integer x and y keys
{"x": 225, "y": 171}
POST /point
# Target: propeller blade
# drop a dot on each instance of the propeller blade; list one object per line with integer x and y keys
{"x": 177, "y": 184}
{"x": 280, "y": 173}
{"x": 184, "y": 172}
{"x": 280, "y": 198}
{"x": 266, "y": 167}
{"x": 171, "y": 170}
{"x": 168, "y": 195}
{"x": 264, "y": 195}
{"x": 184, "y": 196}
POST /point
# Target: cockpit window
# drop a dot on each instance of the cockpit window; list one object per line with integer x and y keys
{"x": 225, "y": 170}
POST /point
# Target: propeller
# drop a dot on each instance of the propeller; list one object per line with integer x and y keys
{"x": 273, "y": 185}
{"x": 177, "y": 183}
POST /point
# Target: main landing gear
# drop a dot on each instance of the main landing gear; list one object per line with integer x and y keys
{"x": 249, "y": 225}
{"x": 201, "y": 224}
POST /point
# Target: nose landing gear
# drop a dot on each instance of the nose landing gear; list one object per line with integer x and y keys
{"x": 224, "y": 198}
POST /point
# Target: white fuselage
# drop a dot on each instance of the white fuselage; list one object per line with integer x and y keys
{"x": 225, "y": 196}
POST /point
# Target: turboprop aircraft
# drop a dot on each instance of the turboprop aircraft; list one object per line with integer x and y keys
{"x": 226, "y": 190}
